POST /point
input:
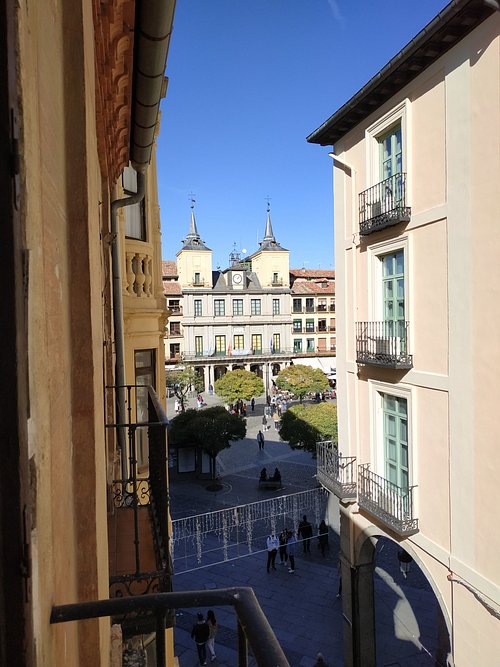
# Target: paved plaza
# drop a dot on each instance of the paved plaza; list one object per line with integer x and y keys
{"x": 302, "y": 608}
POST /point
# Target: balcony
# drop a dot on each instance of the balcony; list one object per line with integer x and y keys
{"x": 383, "y": 205}
{"x": 138, "y": 523}
{"x": 383, "y": 344}
{"x": 321, "y": 308}
{"x": 336, "y": 473}
{"x": 253, "y": 628}
{"x": 392, "y": 505}
{"x": 138, "y": 273}
{"x": 277, "y": 282}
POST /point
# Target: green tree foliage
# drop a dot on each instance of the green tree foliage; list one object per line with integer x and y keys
{"x": 300, "y": 380}
{"x": 183, "y": 381}
{"x": 210, "y": 429}
{"x": 239, "y": 384}
{"x": 304, "y": 425}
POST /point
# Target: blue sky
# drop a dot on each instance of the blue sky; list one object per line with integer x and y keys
{"x": 248, "y": 81}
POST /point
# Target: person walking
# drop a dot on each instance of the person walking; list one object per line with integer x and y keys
{"x": 305, "y": 533}
{"x": 213, "y": 627}
{"x": 323, "y": 537}
{"x": 320, "y": 661}
{"x": 283, "y": 539}
{"x": 260, "y": 440}
{"x": 200, "y": 633}
{"x": 290, "y": 548}
{"x": 264, "y": 422}
{"x": 253, "y": 404}
{"x": 272, "y": 549}
{"x": 276, "y": 419}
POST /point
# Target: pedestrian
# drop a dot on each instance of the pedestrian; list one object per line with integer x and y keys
{"x": 404, "y": 562}
{"x": 213, "y": 627}
{"x": 253, "y": 404}
{"x": 277, "y": 475}
{"x": 244, "y": 409}
{"x": 177, "y": 405}
{"x": 323, "y": 537}
{"x": 276, "y": 420}
{"x": 264, "y": 422}
{"x": 320, "y": 661}
{"x": 263, "y": 475}
{"x": 305, "y": 533}
{"x": 211, "y": 389}
{"x": 260, "y": 440}
{"x": 290, "y": 548}
{"x": 278, "y": 410}
{"x": 283, "y": 539}
{"x": 339, "y": 572}
{"x": 200, "y": 633}
{"x": 272, "y": 549}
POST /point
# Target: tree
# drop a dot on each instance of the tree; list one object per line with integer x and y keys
{"x": 239, "y": 384}
{"x": 211, "y": 429}
{"x": 300, "y": 380}
{"x": 182, "y": 381}
{"x": 304, "y": 425}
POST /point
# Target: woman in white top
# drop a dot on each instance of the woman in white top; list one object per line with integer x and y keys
{"x": 212, "y": 624}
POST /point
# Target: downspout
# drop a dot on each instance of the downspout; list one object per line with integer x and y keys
{"x": 121, "y": 416}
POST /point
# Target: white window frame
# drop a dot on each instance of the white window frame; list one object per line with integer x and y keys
{"x": 376, "y": 251}
{"x": 377, "y": 452}
{"x": 402, "y": 114}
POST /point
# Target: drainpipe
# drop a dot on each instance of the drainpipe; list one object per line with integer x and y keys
{"x": 116, "y": 253}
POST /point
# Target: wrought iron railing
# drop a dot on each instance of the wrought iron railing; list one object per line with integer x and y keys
{"x": 144, "y": 493}
{"x": 252, "y": 626}
{"x": 383, "y": 344}
{"x": 335, "y": 472}
{"x": 236, "y": 355}
{"x": 383, "y": 205}
{"x": 390, "y": 503}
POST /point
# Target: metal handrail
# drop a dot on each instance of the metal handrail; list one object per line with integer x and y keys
{"x": 253, "y": 627}
{"x": 383, "y": 205}
{"x": 383, "y": 343}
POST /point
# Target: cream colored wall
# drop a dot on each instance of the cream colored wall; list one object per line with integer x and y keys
{"x": 454, "y": 313}
{"x": 267, "y": 262}
{"x": 190, "y": 262}
{"x": 61, "y": 195}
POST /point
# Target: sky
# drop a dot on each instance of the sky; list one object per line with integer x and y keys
{"x": 248, "y": 81}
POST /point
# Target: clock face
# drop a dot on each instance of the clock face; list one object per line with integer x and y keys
{"x": 237, "y": 278}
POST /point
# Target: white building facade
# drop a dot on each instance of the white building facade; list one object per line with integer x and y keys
{"x": 416, "y": 182}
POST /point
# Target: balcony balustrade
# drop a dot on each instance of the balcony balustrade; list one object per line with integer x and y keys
{"x": 383, "y": 205}
{"x": 336, "y": 473}
{"x": 138, "y": 274}
{"x": 236, "y": 355}
{"x": 321, "y": 308}
{"x": 383, "y": 344}
{"x": 387, "y": 502}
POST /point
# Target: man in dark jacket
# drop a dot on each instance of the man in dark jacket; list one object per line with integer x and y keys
{"x": 200, "y": 633}
{"x": 305, "y": 533}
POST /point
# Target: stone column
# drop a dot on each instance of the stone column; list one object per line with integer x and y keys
{"x": 206, "y": 376}
{"x": 358, "y": 603}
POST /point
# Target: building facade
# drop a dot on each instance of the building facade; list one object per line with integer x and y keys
{"x": 238, "y": 317}
{"x": 416, "y": 171}
{"x": 313, "y": 311}
{"x": 174, "y": 338}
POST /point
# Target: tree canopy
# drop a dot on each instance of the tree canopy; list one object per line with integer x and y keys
{"x": 300, "y": 380}
{"x": 304, "y": 425}
{"x": 210, "y": 429}
{"x": 239, "y": 384}
{"x": 183, "y": 381}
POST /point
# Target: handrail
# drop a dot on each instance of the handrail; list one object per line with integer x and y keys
{"x": 253, "y": 626}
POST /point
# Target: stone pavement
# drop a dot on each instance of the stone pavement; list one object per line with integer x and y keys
{"x": 302, "y": 607}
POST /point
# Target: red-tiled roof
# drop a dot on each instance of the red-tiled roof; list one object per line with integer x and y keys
{"x": 312, "y": 273}
{"x": 169, "y": 268}
{"x": 323, "y": 287}
{"x": 171, "y": 287}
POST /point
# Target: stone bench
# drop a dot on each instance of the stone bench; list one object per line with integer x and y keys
{"x": 270, "y": 484}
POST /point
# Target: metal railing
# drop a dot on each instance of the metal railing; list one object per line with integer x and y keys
{"x": 137, "y": 494}
{"x": 236, "y": 355}
{"x": 335, "y": 472}
{"x": 383, "y": 205}
{"x": 383, "y": 344}
{"x": 390, "y": 503}
{"x": 252, "y": 626}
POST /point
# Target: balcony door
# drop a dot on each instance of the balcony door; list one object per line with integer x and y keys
{"x": 145, "y": 374}
{"x": 395, "y": 425}
{"x": 393, "y": 299}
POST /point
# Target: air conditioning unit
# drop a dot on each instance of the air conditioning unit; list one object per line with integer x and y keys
{"x": 375, "y": 209}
